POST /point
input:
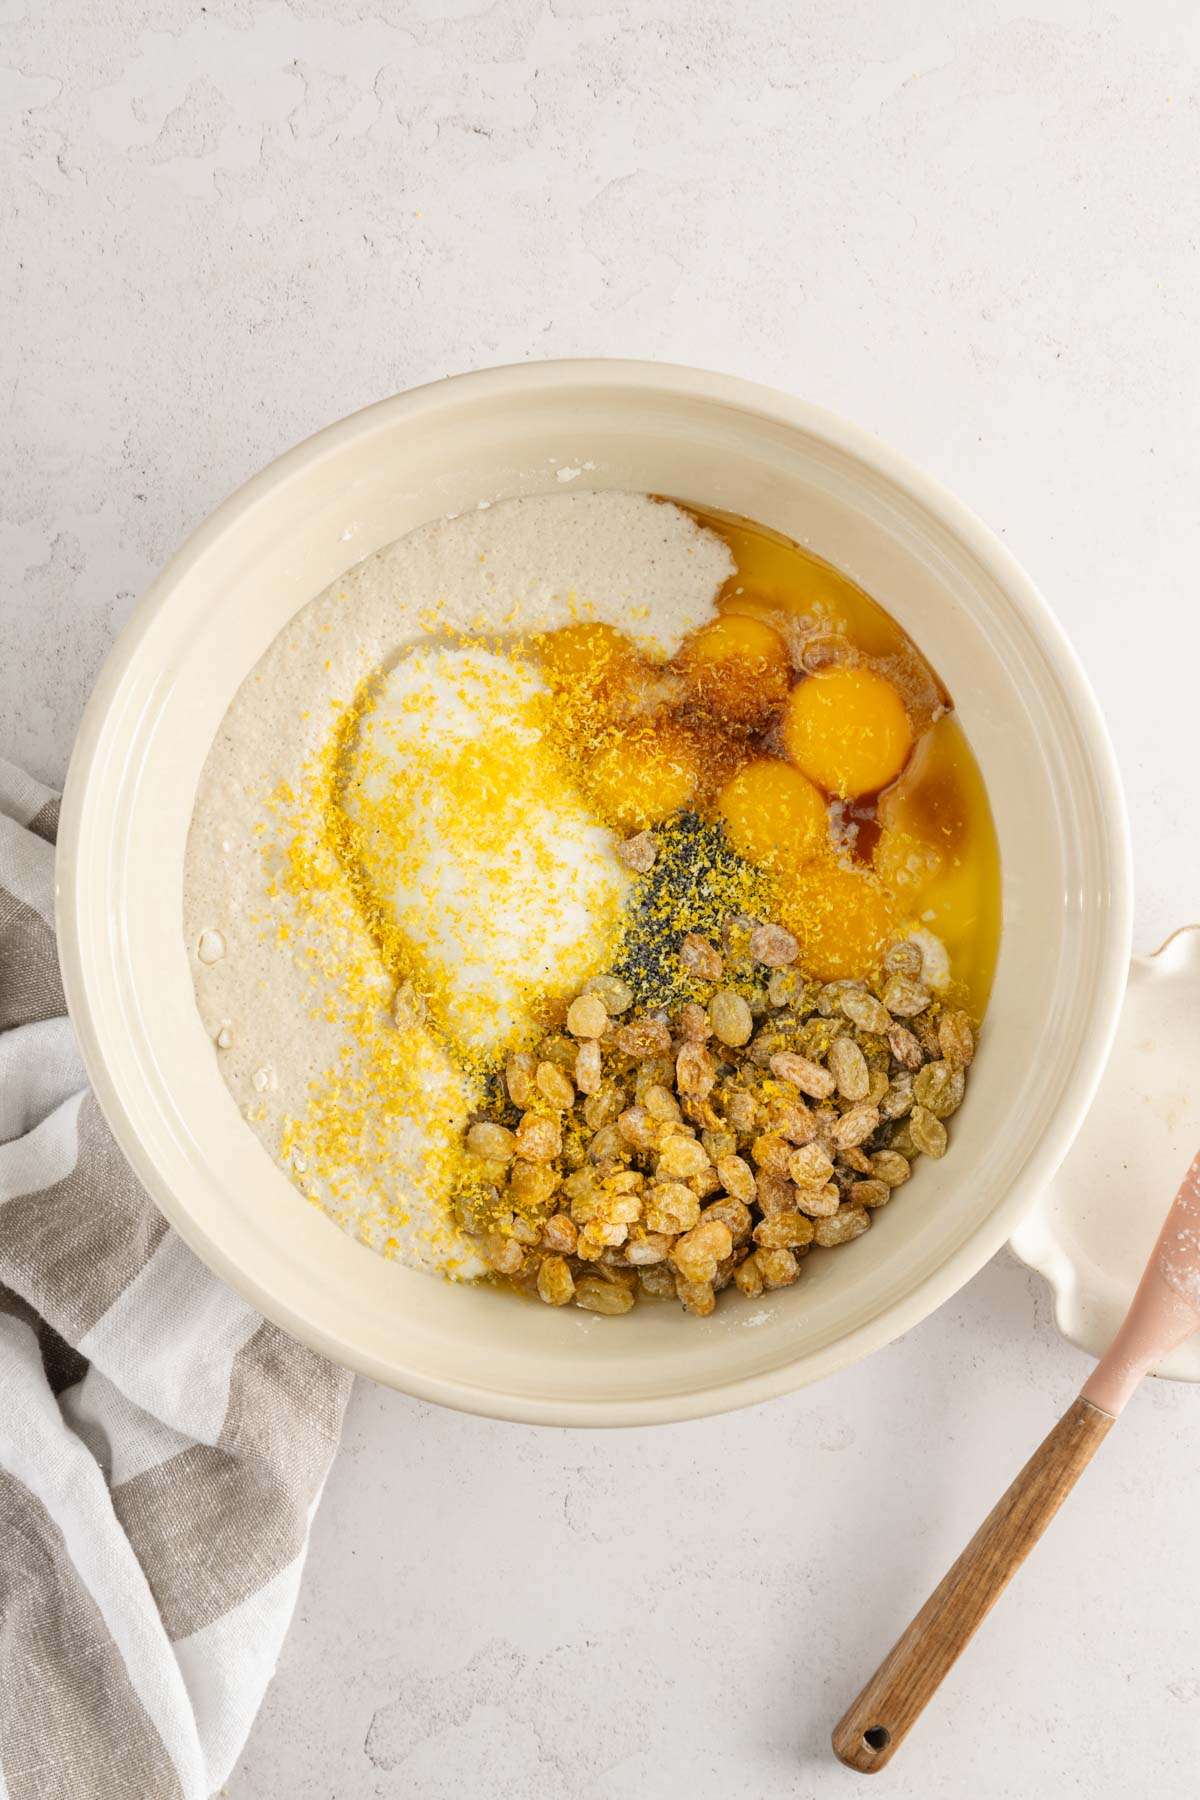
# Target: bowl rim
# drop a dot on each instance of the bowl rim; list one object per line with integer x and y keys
{"x": 1020, "y": 592}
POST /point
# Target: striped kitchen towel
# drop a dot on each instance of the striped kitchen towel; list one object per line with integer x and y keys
{"x": 162, "y": 1447}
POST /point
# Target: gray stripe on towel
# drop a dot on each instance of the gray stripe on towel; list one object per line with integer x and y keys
{"x": 45, "y": 820}
{"x": 70, "y": 1721}
{"x": 30, "y": 985}
{"x": 72, "y": 1249}
{"x": 251, "y": 1493}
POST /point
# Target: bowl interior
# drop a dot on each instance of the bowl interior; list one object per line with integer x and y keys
{"x": 364, "y": 483}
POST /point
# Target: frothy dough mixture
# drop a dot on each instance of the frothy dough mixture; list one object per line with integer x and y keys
{"x": 308, "y": 878}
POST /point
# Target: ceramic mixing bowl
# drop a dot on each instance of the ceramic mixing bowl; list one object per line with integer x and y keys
{"x": 360, "y": 484}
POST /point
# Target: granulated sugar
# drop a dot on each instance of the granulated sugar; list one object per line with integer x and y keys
{"x": 503, "y": 885}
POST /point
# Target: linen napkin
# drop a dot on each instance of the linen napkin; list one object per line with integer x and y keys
{"x": 162, "y": 1447}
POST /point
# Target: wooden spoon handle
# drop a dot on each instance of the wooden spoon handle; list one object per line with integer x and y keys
{"x": 874, "y": 1725}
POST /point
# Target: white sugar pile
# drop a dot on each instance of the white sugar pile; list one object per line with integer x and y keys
{"x": 504, "y": 888}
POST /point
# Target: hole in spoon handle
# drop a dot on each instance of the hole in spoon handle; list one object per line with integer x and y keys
{"x": 862, "y": 1740}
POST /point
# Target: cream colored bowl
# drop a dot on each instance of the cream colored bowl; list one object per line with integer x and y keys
{"x": 1025, "y": 705}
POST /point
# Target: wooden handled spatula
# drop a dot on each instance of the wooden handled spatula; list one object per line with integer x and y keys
{"x": 1164, "y": 1311}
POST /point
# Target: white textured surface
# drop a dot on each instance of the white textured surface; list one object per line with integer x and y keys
{"x": 969, "y": 224}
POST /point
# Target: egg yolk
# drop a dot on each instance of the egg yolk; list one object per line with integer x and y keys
{"x": 847, "y": 730}
{"x": 642, "y": 773}
{"x": 738, "y": 669}
{"x": 842, "y": 917}
{"x": 773, "y": 815}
